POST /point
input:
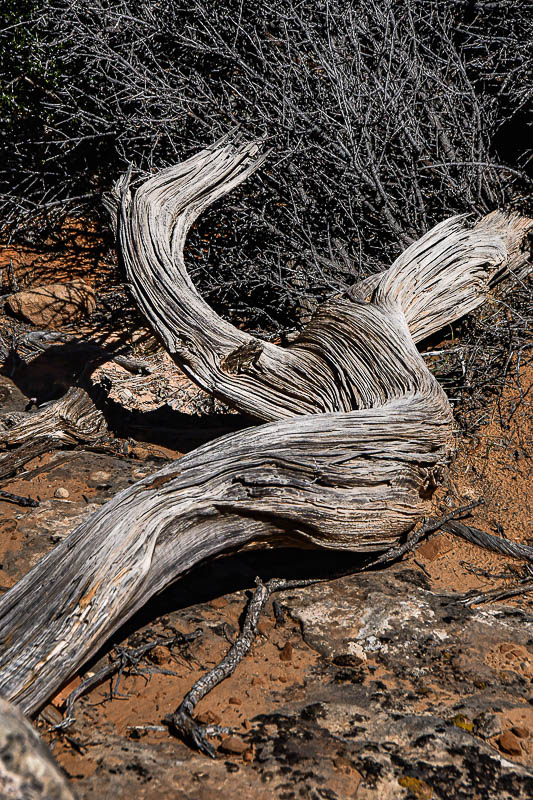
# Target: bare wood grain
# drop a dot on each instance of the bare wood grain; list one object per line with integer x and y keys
{"x": 358, "y": 436}
{"x": 71, "y": 420}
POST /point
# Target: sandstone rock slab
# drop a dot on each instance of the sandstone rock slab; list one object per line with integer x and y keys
{"x": 53, "y": 305}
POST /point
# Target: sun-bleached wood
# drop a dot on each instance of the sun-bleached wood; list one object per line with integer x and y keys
{"x": 358, "y": 432}
{"x": 71, "y": 420}
{"x": 438, "y": 279}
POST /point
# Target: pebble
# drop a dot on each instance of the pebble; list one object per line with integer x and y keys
{"x": 432, "y": 549}
{"x": 234, "y": 744}
{"x": 62, "y": 493}
{"x": 520, "y": 731}
{"x": 505, "y": 647}
{"x": 510, "y": 743}
{"x": 235, "y": 701}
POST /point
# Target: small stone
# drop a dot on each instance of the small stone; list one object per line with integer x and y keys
{"x": 520, "y": 732}
{"x": 219, "y": 602}
{"x": 432, "y": 549}
{"x": 510, "y": 743}
{"x": 286, "y": 652}
{"x": 62, "y": 493}
{"x": 257, "y": 681}
{"x": 234, "y": 744}
{"x": 248, "y": 755}
{"x": 235, "y": 701}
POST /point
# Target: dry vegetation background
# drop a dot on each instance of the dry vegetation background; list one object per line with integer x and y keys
{"x": 383, "y": 118}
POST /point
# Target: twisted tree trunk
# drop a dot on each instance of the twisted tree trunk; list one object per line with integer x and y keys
{"x": 359, "y": 431}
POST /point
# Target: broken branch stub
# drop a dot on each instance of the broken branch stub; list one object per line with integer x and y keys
{"x": 358, "y": 429}
{"x": 67, "y": 422}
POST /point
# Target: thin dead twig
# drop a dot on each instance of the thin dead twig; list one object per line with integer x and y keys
{"x": 474, "y": 598}
{"x": 9, "y": 497}
{"x": 428, "y": 526}
{"x": 181, "y": 722}
{"x": 126, "y": 658}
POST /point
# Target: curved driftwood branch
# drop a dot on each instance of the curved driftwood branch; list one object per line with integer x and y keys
{"x": 361, "y": 435}
{"x": 438, "y": 279}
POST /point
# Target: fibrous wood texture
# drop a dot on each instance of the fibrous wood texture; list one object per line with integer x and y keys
{"x": 71, "y": 420}
{"x": 357, "y": 436}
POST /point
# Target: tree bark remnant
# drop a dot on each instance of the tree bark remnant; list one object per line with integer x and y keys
{"x": 357, "y": 437}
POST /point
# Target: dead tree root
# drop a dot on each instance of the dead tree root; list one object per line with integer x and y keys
{"x": 181, "y": 722}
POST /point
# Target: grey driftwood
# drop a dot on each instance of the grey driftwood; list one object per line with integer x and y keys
{"x": 357, "y": 437}
{"x": 71, "y": 420}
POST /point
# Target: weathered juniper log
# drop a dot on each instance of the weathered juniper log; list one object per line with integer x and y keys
{"x": 71, "y": 420}
{"x": 331, "y": 367}
{"x": 358, "y": 434}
